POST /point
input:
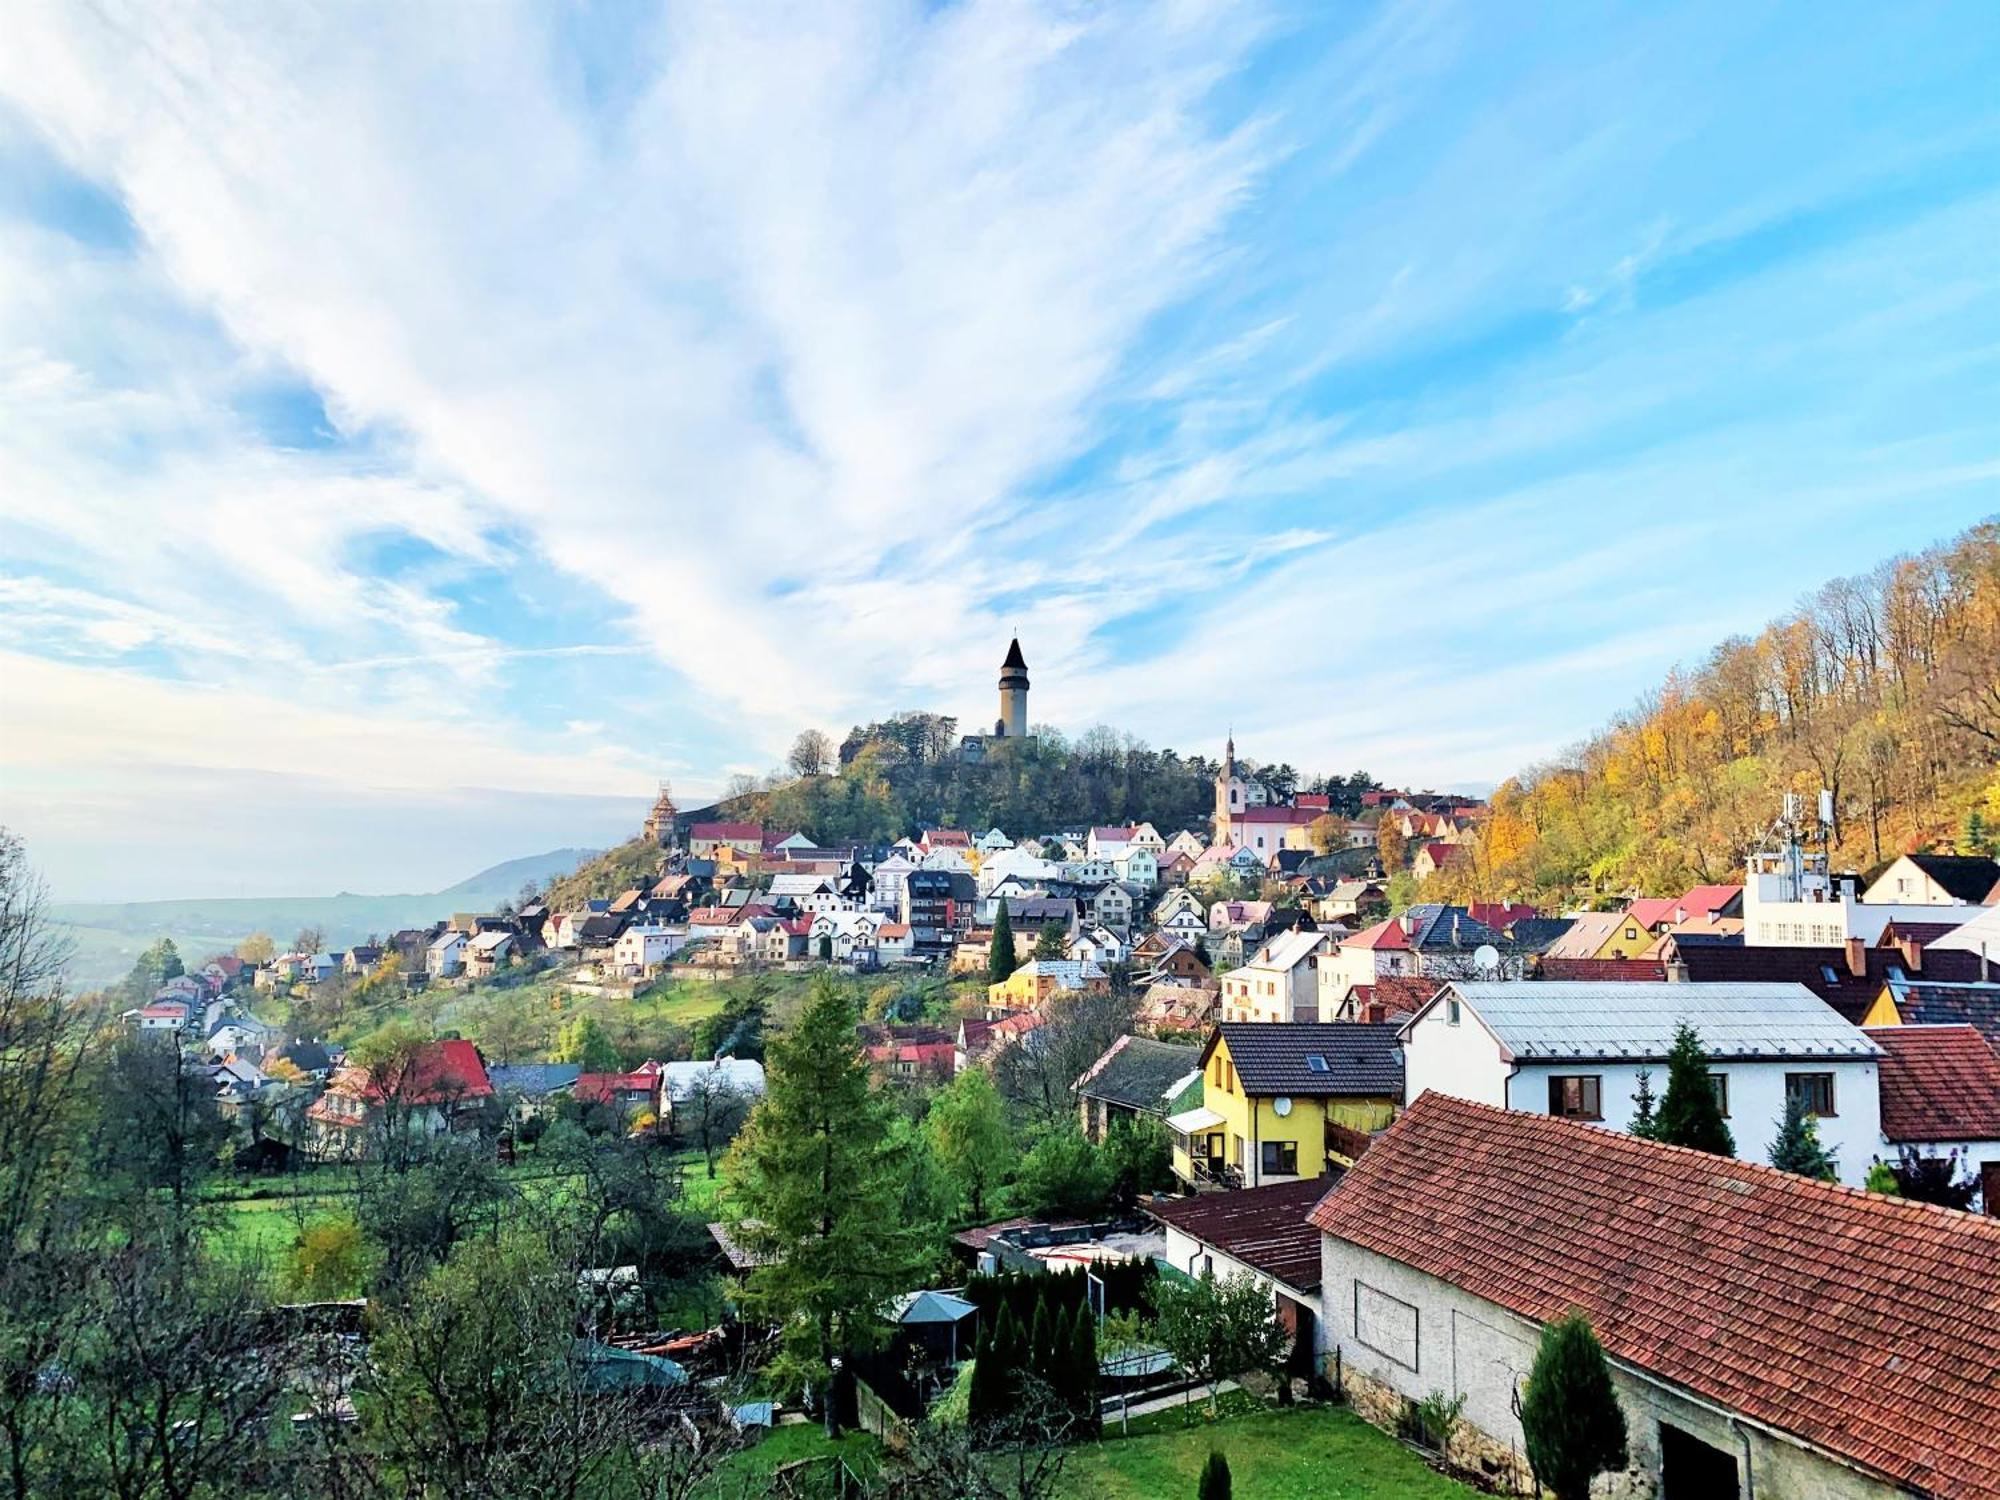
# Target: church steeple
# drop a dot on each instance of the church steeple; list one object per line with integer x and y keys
{"x": 1227, "y": 790}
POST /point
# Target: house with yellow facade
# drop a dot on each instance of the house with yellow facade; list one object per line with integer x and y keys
{"x": 1028, "y": 986}
{"x": 1283, "y": 1100}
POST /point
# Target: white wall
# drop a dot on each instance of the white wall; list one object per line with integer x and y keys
{"x": 1756, "y": 1102}
{"x": 1463, "y": 1060}
{"x": 1465, "y": 1343}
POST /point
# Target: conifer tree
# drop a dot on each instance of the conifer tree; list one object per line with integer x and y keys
{"x": 1041, "y": 1344}
{"x": 1083, "y": 1367}
{"x": 1798, "y": 1148}
{"x": 1214, "y": 1479}
{"x": 1000, "y": 960}
{"x": 1570, "y": 1417}
{"x": 1645, "y": 1115}
{"x": 1052, "y": 941}
{"x": 818, "y": 1183}
{"x": 1690, "y": 1114}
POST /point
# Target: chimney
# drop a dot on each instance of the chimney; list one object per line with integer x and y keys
{"x": 1405, "y": 920}
{"x": 1677, "y": 970}
{"x": 1857, "y": 958}
{"x": 1913, "y": 955}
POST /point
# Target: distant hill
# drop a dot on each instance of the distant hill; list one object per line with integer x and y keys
{"x": 109, "y": 935}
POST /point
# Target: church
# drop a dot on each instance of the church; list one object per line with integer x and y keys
{"x": 1013, "y": 721}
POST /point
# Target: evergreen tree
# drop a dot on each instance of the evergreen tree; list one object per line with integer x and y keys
{"x": 1690, "y": 1114}
{"x": 1083, "y": 1367}
{"x": 1570, "y": 1417}
{"x": 1214, "y": 1479}
{"x": 1052, "y": 941}
{"x": 1976, "y": 840}
{"x": 1798, "y": 1148}
{"x": 818, "y": 1183}
{"x": 1645, "y": 1117}
{"x": 1000, "y": 960}
{"x": 826, "y": 948}
{"x": 1041, "y": 1345}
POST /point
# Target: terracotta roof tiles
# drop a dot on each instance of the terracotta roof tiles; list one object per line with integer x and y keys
{"x": 1861, "y": 1324}
{"x": 1938, "y": 1083}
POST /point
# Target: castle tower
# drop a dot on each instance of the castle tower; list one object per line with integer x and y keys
{"x": 659, "y": 827}
{"x": 1228, "y": 792}
{"x": 1013, "y": 723}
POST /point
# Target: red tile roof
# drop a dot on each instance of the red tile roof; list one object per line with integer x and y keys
{"x": 1264, "y": 1227}
{"x": 1394, "y": 996}
{"x": 1622, "y": 970}
{"x": 1938, "y": 1083}
{"x": 1703, "y": 901}
{"x": 1500, "y": 915}
{"x": 1859, "y": 1323}
{"x": 728, "y": 832}
{"x": 435, "y": 1073}
{"x": 1650, "y": 911}
{"x": 1388, "y": 933}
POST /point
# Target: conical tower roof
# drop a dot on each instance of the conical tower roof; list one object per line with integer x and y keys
{"x": 1015, "y": 661}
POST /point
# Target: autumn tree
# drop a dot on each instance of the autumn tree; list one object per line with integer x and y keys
{"x": 583, "y": 1041}
{"x": 257, "y": 949}
{"x": 812, "y": 754}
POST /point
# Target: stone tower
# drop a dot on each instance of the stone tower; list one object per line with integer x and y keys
{"x": 1228, "y": 792}
{"x": 659, "y": 829}
{"x": 1013, "y": 724}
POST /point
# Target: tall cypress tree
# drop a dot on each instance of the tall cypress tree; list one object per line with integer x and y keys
{"x": 818, "y": 1187}
{"x": 1690, "y": 1114}
{"x": 1572, "y": 1424}
{"x": 1083, "y": 1368}
{"x": 1041, "y": 1342}
{"x": 1000, "y": 961}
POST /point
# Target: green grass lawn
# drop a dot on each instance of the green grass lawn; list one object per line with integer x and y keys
{"x": 1317, "y": 1453}
{"x": 788, "y": 1444}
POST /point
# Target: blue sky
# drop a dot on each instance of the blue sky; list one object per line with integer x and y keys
{"x": 424, "y": 427}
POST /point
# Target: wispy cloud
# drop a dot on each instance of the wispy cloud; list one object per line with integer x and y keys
{"x": 593, "y": 398}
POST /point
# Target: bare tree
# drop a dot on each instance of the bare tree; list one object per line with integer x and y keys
{"x": 710, "y": 1109}
{"x": 812, "y": 753}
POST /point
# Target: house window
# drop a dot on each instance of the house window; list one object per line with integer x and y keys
{"x": 1631, "y": 934}
{"x": 1281, "y": 1159}
{"x": 1720, "y": 1083}
{"x": 1576, "y": 1096}
{"x": 1451, "y": 1011}
{"x": 1816, "y": 1089}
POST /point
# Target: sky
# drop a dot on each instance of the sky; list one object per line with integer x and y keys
{"x": 423, "y": 428}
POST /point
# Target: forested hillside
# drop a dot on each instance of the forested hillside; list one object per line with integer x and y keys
{"x": 1884, "y": 689}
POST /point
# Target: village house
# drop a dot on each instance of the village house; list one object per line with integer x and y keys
{"x": 1283, "y": 1100}
{"x": 1137, "y": 1078}
{"x": 1035, "y": 981}
{"x": 1769, "y": 1335}
{"x": 1937, "y": 880}
{"x": 1940, "y": 1090}
{"x": 709, "y": 840}
{"x": 1576, "y": 1048}
{"x": 446, "y": 956}
{"x": 641, "y": 950}
{"x": 487, "y": 952}
{"x": 434, "y": 1089}
{"x": 1278, "y": 983}
{"x": 1261, "y": 1233}
{"x": 1100, "y": 946}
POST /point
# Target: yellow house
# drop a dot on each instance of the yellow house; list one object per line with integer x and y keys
{"x": 1283, "y": 1100}
{"x": 1028, "y": 986}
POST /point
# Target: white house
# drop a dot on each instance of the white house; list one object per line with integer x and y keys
{"x": 1138, "y": 865}
{"x": 892, "y": 942}
{"x": 852, "y": 934}
{"x": 1278, "y": 983}
{"x": 889, "y": 877}
{"x": 1937, "y": 880}
{"x": 1022, "y": 865}
{"x": 1099, "y": 945}
{"x": 1111, "y": 905}
{"x": 1091, "y": 870}
{"x": 1791, "y": 900}
{"x": 446, "y": 955}
{"x": 1576, "y": 1048}
{"x": 992, "y": 842}
{"x": 742, "y": 1076}
{"x": 639, "y": 950}
{"x": 816, "y": 894}
{"x": 1768, "y": 1335}
{"x": 318, "y": 967}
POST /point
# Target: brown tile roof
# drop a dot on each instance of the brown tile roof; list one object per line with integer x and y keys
{"x": 1636, "y": 970}
{"x": 1975, "y": 1005}
{"x": 1393, "y": 997}
{"x": 1264, "y": 1227}
{"x": 1824, "y": 971}
{"x": 1858, "y": 1323}
{"x": 1938, "y": 1083}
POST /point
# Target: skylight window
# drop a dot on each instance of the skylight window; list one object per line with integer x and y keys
{"x": 1315, "y": 1062}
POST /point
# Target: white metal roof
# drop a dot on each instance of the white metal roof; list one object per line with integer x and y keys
{"x": 1188, "y": 1121}
{"x": 1586, "y": 1018}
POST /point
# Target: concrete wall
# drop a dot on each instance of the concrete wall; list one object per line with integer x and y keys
{"x": 1417, "y": 1334}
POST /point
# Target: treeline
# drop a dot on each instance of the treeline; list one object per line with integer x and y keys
{"x": 1883, "y": 689}
{"x": 906, "y": 772}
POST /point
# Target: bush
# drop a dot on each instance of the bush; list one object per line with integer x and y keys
{"x": 330, "y": 1260}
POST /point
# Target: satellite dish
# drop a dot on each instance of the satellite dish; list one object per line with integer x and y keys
{"x": 1486, "y": 959}
{"x": 1281, "y": 1106}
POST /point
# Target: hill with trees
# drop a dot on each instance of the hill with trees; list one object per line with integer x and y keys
{"x": 1884, "y": 689}
{"x": 904, "y": 773}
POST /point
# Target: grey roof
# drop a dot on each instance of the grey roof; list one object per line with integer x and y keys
{"x": 533, "y": 1079}
{"x": 1561, "y": 1019}
{"x": 1137, "y": 1072}
{"x": 932, "y": 1307}
{"x": 1313, "y": 1058}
